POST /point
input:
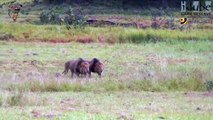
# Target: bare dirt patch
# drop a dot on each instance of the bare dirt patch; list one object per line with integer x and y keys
{"x": 41, "y": 114}
{"x": 59, "y": 41}
{"x": 84, "y": 39}
{"x": 195, "y": 94}
{"x": 207, "y": 52}
{"x": 177, "y": 60}
{"x": 69, "y": 104}
{"x": 158, "y": 59}
{"x": 208, "y": 94}
{"x": 65, "y": 105}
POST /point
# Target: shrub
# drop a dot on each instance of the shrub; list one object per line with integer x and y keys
{"x": 52, "y": 16}
{"x": 17, "y": 98}
{"x": 6, "y": 36}
{"x": 14, "y": 99}
{"x": 208, "y": 85}
{"x": 110, "y": 86}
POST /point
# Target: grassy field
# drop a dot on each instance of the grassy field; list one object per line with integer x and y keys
{"x": 54, "y": 33}
{"x": 112, "y": 105}
{"x": 162, "y": 66}
{"x": 32, "y": 86}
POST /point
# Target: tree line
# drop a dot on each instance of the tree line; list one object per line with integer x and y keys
{"x": 121, "y": 3}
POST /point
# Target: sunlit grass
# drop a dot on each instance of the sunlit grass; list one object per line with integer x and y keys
{"x": 29, "y": 32}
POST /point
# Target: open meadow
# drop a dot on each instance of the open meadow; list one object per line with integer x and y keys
{"x": 140, "y": 81}
{"x": 150, "y": 73}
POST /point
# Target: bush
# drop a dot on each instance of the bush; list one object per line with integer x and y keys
{"x": 160, "y": 21}
{"x": 15, "y": 99}
{"x": 52, "y": 16}
{"x": 208, "y": 85}
{"x": 6, "y": 36}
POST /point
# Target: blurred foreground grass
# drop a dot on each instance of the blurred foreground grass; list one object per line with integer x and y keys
{"x": 110, "y": 105}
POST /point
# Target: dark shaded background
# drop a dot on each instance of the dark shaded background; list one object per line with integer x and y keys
{"x": 120, "y": 3}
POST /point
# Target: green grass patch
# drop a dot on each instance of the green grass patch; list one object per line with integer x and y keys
{"x": 108, "y": 85}
{"x": 161, "y": 66}
{"x": 115, "y": 105}
{"x": 55, "y": 33}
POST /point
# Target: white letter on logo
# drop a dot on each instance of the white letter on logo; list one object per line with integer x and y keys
{"x": 208, "y": 6}
{"x": 183, "y": 6}
{"x": 196, "y": 6}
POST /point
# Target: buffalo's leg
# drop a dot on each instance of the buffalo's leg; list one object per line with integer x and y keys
{"x": 71, "y": 74}
{"x": 78, "y": 74}
{"x": 89, "y": 74}
{"x": 99, "y": 74}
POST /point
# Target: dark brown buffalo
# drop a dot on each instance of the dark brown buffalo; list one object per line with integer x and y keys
{"x": 78, "y": 67}
{"x": 96, "y": 67}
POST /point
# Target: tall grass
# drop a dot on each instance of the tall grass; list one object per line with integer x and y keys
{"x": 20, "y": 98}
{"x": 164, "y": 66}
{"x": 153, "y": 35}
{"x": 48, "y": 85}
{"x": 29, "y": 32}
